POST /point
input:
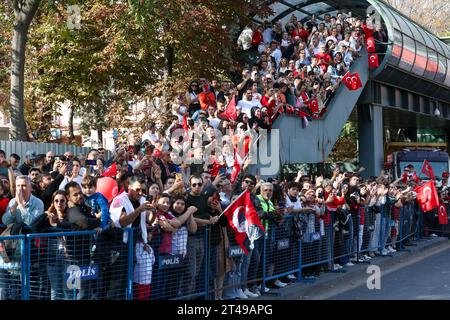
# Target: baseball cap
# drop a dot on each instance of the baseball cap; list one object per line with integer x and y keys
{"x": 30, "y": 154}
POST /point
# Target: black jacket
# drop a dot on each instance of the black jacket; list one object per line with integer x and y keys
{"x": 46, "y": 195}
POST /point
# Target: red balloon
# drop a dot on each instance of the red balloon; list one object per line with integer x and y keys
{"x": 108, "y": 187}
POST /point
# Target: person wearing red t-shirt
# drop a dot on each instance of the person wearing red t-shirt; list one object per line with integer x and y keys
{"x": 324, "y": 58}
{"x": 257, "y": 37}
{"x": 268, "y": 100}
{"x": 301, "y": 32}
{"x": 207, "y": 98}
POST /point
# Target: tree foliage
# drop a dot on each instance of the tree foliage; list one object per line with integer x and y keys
{"x": 432, "y": 14}
{"x": 124, "y": 52}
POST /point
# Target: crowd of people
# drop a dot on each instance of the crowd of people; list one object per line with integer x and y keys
{"x": 171, "y": 187}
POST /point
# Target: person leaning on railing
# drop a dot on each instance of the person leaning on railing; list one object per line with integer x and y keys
{"x": 53, "y": 249}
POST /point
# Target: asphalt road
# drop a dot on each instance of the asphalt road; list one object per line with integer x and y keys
{"x": 428, "y": 279}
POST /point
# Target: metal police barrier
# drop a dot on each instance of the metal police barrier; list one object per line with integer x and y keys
{"x": 315, "y": 243}
{"x": 281, "y": 252}
{"x": 13, "y": 282}
{"x": 432, "y": 224}
{"x": 184, "y": 272}
{"x": 79, "y": 265}
{"x": 343, "y": 236}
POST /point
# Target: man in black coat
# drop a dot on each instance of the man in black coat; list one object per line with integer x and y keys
{"x": 46, "y": 185}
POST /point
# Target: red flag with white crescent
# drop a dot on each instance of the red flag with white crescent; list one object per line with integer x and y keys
{"x": 428, "y": 170}
{"x": 243, "y": 219}
{"x": 427, "y": 196}
{"x": 313, "y": 105}
{"x": 442, "y": 214}
{"x": 373, "y": 61}
{"x": 352, "y": 81}
{"x": 370, "y": 44}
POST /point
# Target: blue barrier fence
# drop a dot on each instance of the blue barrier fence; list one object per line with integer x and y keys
{"x": 119, "y": 265}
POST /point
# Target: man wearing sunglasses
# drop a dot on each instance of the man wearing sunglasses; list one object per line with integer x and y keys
{"x": 196, "y": 249}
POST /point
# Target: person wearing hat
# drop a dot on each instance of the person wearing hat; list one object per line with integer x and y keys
{"x": 30, "y": 157}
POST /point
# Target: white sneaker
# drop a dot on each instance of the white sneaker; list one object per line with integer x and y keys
{"x": 257, "y": 292}
{"x": 250, "y": 294}
{"x": 385, "y": 252}
{"x": 337, "y": 266}
{"x": 349, "y": 264}
{"x": 433, "y": 235}
{"x": 241, "y": 294}
{"x": 280, "y": 284}
{"x": 367, "y": 257}
{"x": 265, "y": 289}
{"x": 390, "y": 249}
{"x": 292, "y": 277}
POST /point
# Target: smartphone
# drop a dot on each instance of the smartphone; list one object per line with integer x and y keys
{"x": 222, "y": 170}
{"x": 178, "y": 177}
{"x": 69, "y": 168}
{"x": 91, "y": 162}
{"x": 149, "y": 198}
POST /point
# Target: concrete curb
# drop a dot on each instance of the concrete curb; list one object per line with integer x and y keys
{"x": 330, "y": 284}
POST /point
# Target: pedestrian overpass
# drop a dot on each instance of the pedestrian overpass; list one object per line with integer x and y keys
{"x": 411, "y": 83}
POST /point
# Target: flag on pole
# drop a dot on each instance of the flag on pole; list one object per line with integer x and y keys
{"x": 427, "y": 196}
{"x": 244, "y": 220}
{"x": 442, "y": 214}
{"x": 428, "y": 170}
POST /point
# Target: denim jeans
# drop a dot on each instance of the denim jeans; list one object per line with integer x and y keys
{"x": 255, "y": 260}
{"x": 385, "y": 229}
{"x": 56, "y": 271}
{"x": 375, "y": 235}
{"x": 194, "y": 262}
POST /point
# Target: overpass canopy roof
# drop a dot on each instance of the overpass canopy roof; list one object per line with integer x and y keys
{"x": 412, "y": 50}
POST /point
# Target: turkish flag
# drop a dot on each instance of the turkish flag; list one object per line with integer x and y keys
{"x": 352, "y": 81}
{"x": 313, "y": 105}
{"x": 235, "y": 172}
{"x": 215, "y": 168}
{"x": 442, "y": 214}
{"x": 243, "y": 219}
{"x": 230, "y": 111}
{"x": 289, "y": 109}
{"x": 428, "y": 170}
{"x": 184, "y": 123}
{"x": 427, "y": 196}
{"x": 373, "y": 61}
{"x": 370, "y": 43}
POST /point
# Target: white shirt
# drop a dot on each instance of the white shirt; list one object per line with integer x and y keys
{"x": 143, "y": 267}
{"x": 294, "y": 205}
{"x": 267, "y": 35}
{"x": 66, "y": 181}
{"x": 214, "y": 122}
{"x": 246, "y": 106}
{"x": 149, "y": 136}
{"x": 276, "y": 54}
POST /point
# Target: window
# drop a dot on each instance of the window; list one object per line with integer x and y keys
{"x": 408, "y": 54}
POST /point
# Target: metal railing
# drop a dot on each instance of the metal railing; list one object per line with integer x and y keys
{"x": 78, "y": 265}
